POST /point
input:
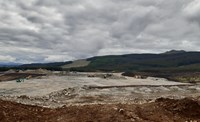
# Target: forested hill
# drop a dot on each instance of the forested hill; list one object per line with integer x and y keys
{"x": 171, "y": 60}
{"x": 176, "y": 60}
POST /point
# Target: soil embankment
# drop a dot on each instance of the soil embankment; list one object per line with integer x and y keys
{"x": 161, "y": 110}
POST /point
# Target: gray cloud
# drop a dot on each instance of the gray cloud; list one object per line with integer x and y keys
{"x": 60, "y": 30}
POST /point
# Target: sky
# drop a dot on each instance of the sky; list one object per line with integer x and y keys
{"x": 61, "y": 30}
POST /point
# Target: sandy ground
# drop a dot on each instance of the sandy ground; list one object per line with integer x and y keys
{"x": 79, "y": 89}
{"x": 48, "y": 84}
{"x": 75, "y": 97}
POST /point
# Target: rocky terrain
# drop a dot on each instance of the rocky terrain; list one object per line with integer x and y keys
{"x": 162, "y": 110}
{"x": 75, "y": 96}
{"x": 184, "y": 77}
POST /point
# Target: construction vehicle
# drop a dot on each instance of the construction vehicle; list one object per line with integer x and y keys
{"x": 20, "y": 80}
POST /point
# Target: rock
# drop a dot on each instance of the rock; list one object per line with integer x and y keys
{"x": 121, "y": 111}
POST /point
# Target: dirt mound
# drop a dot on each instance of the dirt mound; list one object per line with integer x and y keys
{"x": 11, "y": 71}
{"x": 185, "y": 108}
{"x": 11, "y": 112}
{"x": 106, "y": 76}
{"x": 65, "y": 93}
{"x": 166, "y": 110}
{"x": 38, "y": 71}
{"x": 14, "y": 76}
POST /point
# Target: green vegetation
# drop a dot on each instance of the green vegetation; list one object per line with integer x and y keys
{"x": 185, "y": 61}
{"x": 56, "y": 66}
{"x": 4, "y": 68}
{"x": 171, "y": 61}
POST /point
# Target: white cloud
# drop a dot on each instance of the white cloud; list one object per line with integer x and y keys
{"x": 193, "y": 8}
{"x": 7, "y": 58}
{"x": 56, "y": 58}
{"x": 60, "y": 30}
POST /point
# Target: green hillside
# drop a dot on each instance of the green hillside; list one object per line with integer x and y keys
{"x": 169, "y": 61}
{"x": 142, "y": 62}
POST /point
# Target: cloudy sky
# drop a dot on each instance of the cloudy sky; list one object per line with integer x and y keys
{"x": 61, "y": 30}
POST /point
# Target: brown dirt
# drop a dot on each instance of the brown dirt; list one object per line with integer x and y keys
{"x": 14, "y": 76}
{"x": 162, "y": 110}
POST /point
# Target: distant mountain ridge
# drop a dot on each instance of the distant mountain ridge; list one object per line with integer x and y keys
{"x": 174, "y": 59}
{"x": 175, "y": 52}
{"x": 9, "y": 64}
{"x": 53, "y": 65}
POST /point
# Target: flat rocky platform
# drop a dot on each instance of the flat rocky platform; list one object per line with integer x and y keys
{"x": 56, "y": 90}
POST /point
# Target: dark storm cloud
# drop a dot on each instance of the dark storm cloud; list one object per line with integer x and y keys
{"x": 59, "y": 30}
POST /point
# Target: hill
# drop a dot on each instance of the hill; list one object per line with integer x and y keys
{"x": 9, "y": 64}
{"x": 142, "y": 62}
{"x": 168, "y": 61}
{"x": 49, "y": 66}
{"x": 175, "y": 52}
{"x": 77, "y": 63}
